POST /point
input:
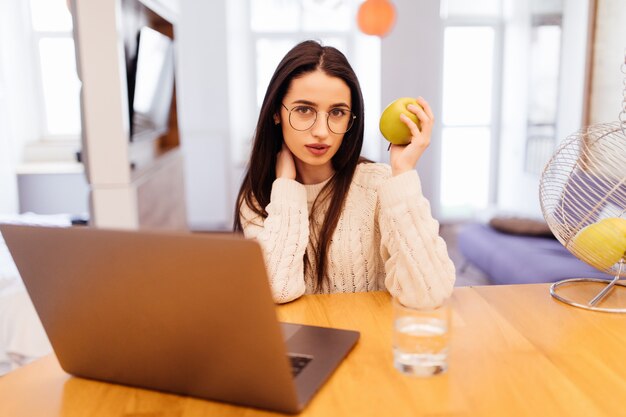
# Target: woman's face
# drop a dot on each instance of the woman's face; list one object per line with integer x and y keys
{"x": 314, "y": 148}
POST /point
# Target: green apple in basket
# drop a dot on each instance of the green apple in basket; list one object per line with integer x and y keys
{"x": 602, "y": 244}
{"x": 394, "y": 129}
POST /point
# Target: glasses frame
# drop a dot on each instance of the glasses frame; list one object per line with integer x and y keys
{"x": 353, "y": 117}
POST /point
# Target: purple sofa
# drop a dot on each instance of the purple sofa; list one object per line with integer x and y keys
{"x": 518, "y": 259}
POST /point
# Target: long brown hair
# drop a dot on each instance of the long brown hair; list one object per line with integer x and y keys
{"x": 256, "y": 188}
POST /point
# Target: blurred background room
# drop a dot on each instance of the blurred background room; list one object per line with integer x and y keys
{"x": 508, "y": 80}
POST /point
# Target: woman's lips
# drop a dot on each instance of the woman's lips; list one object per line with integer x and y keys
{"x": 318, "y": 148}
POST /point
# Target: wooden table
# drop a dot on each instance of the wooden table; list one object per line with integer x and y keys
{"x": 514, "y": 352}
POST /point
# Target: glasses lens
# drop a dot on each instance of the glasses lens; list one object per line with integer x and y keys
{"x": 302, "y": 117}
{"x": 340, "y": 122}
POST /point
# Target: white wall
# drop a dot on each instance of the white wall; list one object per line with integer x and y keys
{"x": 203, "y": 112}
{"x": 53, "y": 193}
{"x": 609, "y": 49}
{"x": 412, "y": 65}
{"x": 518, "y": 190}
{"x": 570, "y": 117}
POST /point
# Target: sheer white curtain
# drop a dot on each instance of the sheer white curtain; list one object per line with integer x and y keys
{"x": 19, "y": 121}
{"x": 8, "y": 187}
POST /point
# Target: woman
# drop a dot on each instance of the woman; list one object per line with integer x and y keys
{"x": 327, "y": 219}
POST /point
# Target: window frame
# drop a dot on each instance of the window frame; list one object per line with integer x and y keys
{"x": 253, "y": 36}
{"x": 539, "y": 145}
{"x": 45, "y": 137}
{"x": 497, "y": 23}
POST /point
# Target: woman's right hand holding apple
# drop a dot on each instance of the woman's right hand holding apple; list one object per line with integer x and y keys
{"x": 404, "y": 158}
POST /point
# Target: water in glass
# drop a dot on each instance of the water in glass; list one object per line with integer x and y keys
{"x": 420, "y": 345}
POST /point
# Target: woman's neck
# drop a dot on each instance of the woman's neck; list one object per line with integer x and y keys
{"x": 307, "y": 174}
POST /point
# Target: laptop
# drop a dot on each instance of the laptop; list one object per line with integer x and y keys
{"x": 184, "y": 313}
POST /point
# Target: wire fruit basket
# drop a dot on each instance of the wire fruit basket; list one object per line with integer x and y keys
{"x": 582, "y": 193}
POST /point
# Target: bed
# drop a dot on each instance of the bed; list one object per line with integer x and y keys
{"x": 22, "y": 338}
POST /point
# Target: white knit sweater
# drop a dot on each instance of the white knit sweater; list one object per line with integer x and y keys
{"x": 385, "y": 238}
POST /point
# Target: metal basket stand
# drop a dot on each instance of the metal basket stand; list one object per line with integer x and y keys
{"x": 592, "y": 304}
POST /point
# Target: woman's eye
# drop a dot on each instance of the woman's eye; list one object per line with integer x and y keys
{"x": 338, "y": 112}
{"x": 304, "y": 110}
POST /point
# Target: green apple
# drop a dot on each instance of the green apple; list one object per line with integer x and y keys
{"x": 394, "y": 129}
{"x": 601, "y": 244}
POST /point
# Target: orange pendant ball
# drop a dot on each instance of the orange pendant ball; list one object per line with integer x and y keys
{"x": 376, "y": 17}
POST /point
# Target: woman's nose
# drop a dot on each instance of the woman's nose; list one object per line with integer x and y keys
{"x": 320, "y": 127}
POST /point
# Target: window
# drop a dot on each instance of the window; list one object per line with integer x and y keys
{"x": 469, "y": 114}
{"x": 275, "y": 26}
{"x": 545, "y": 52}
{"x": 57, "y": 80}
{"x": 500, "y": 105}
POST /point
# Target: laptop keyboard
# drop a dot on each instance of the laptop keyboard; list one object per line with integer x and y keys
{"x": 298, "y": 363}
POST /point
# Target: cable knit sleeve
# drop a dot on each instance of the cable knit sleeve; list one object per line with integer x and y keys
{"x": 284, "y": 236}
{"x": 418, "y": 269}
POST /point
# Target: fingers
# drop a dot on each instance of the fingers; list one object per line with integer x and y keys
{"x": 419, "y": 112}
{"x": 404, "y": 158}
{"x": 285, "y": 154}
{"x": 426, "y": 107}
{"x": 423, "y": 111}
{"x": 419, "y": 139}
{"x": 285, "y": 165}
{"x": 425, "y": 115}
{"x": 415, "y": 132}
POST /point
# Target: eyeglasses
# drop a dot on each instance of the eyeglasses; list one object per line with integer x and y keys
{"x": 339, "y": 120}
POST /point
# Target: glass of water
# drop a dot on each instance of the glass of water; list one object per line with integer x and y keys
{"x": 420, "y": 339}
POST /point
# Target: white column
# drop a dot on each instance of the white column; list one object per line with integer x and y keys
{"x": 204, "y": 112}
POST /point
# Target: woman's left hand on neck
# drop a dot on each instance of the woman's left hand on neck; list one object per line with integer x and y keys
{"x": 285, "y": 165}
